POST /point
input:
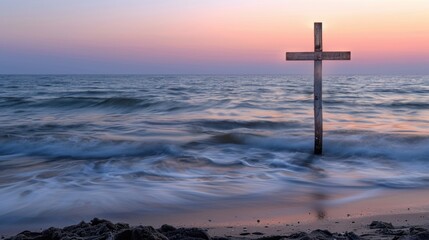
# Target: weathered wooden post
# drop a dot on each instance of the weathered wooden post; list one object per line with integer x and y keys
{"x": 317, "y": 56}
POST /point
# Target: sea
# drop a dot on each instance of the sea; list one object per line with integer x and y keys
{"x": 74, "y": 147}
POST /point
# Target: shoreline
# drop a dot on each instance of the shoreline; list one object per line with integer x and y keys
{"x": 391, "y": 226}
{"x": 402, "y": 208}
{"x": 358, "y": 225}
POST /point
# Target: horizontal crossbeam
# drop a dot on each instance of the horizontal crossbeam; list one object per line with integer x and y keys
{"x": 303, "y": 56}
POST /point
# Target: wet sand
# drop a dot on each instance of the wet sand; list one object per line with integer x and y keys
{"x": 408, "y": 226}
{"x": 360, "y": 226}
{"x": 392, "y": 215}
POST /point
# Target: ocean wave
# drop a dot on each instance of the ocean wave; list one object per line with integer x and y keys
{"x": 91, "y": 102}
{"x": 13, "y": 101}
{"x": 374, "y": 145}
{"x": 78, "y": 148}
{"x": 262, "y": 142}
{"x": 342, "y": 146}
{"x": 103, "y": 103}
{"x": 407, "y": 182}
{"x": 409, "y": 105}
{"x": 234, "y": 124}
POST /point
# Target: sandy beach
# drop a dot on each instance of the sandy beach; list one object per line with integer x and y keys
{"x": 393, "y": 215}
{"x": 397, "y": 226}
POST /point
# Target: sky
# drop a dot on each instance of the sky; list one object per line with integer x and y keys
{"x": 210, "y": 36}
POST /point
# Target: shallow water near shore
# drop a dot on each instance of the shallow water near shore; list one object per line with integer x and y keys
{"x": 77, "y": 146}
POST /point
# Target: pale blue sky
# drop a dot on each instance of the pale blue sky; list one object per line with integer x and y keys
{"x": 223, "y": 36}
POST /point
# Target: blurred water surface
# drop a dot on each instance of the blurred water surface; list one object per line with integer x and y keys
{"x": 82, "y": 145}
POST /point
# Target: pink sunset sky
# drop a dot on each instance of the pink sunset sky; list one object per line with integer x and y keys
{"x": 222, "y": 36}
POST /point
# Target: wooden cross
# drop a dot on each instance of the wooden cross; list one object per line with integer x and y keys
{"x": 317, "y": 56}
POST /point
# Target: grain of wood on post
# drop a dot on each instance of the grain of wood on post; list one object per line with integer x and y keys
{"x": 318, "y": 56}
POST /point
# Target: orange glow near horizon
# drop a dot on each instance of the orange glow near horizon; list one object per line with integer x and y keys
{"x": 232, "y": 32}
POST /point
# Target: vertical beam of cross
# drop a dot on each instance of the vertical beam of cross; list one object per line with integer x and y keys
{"x": 317, "y": 56}
{"x": 318, "y": 114}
